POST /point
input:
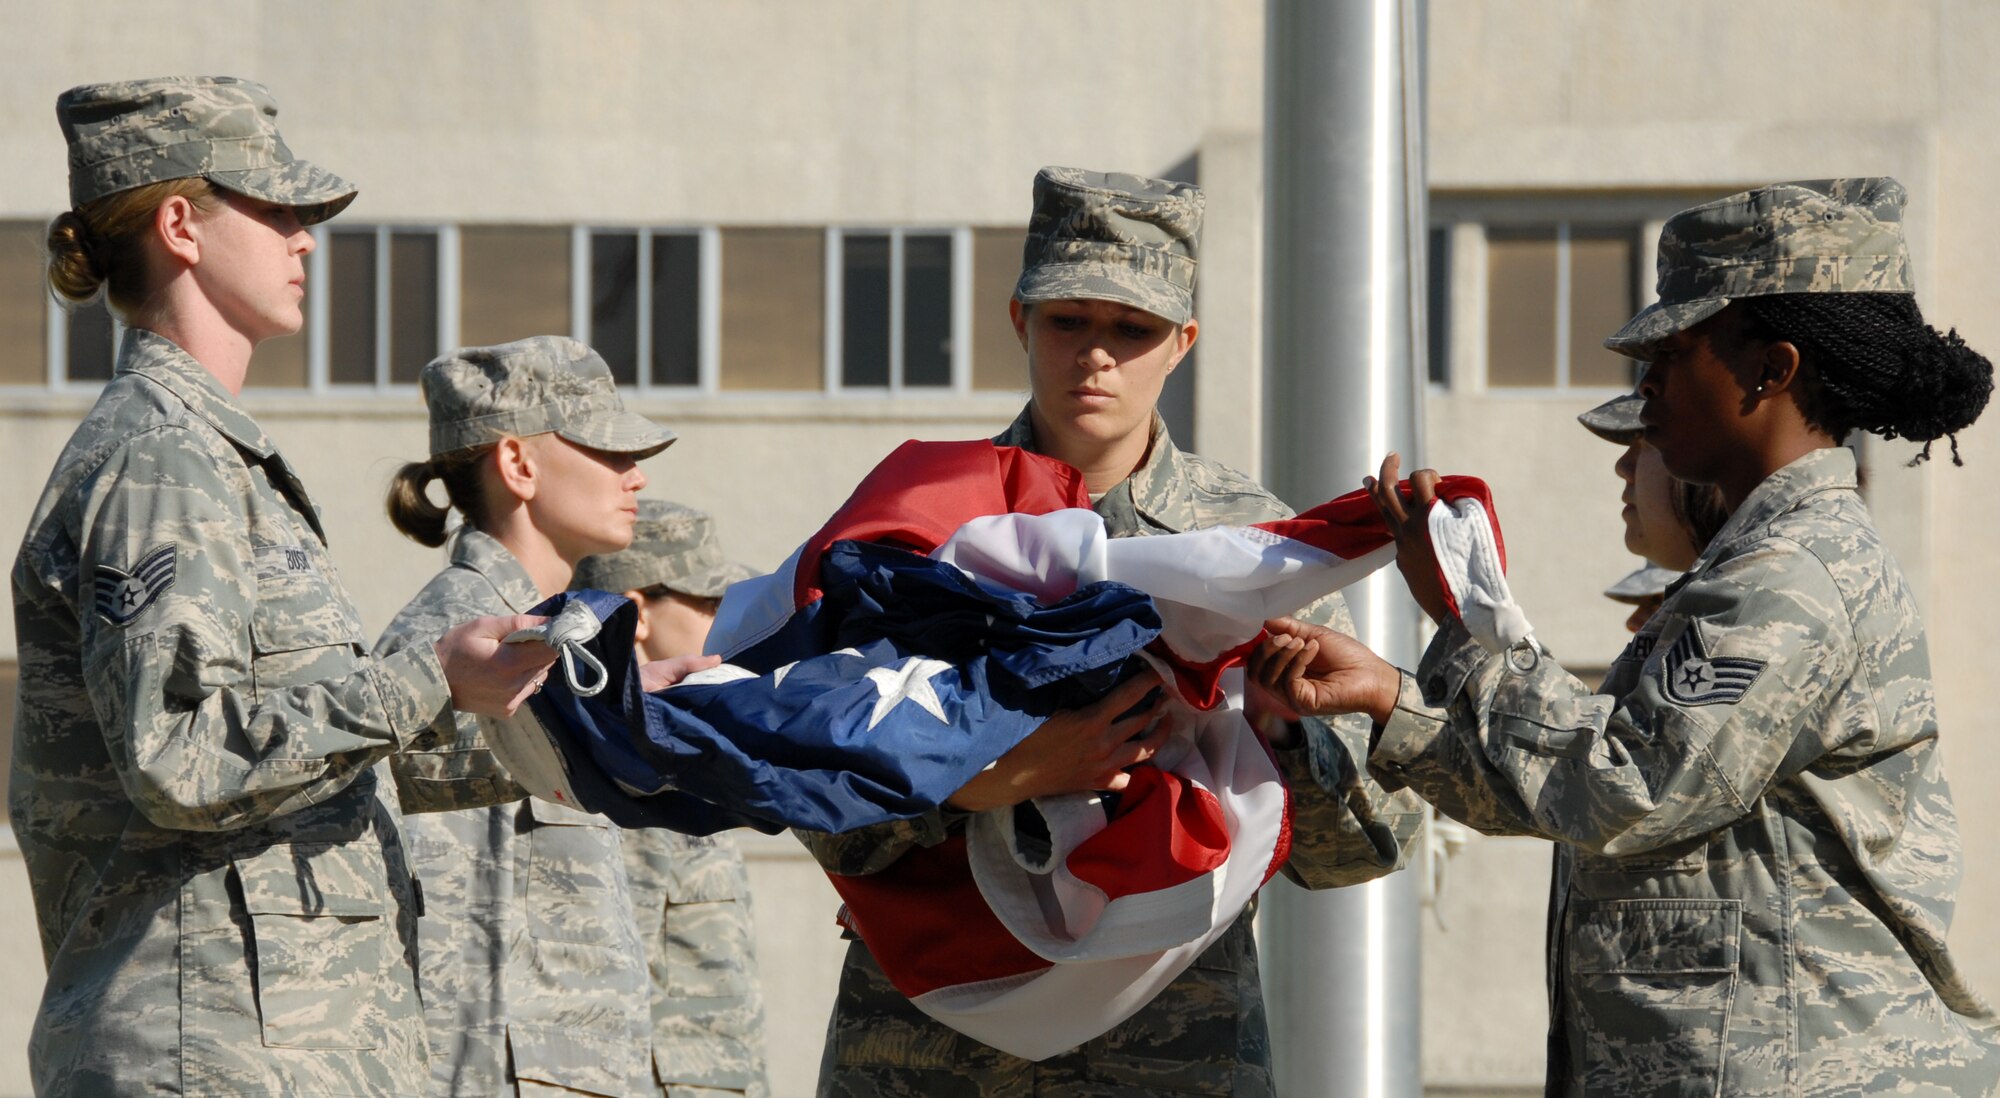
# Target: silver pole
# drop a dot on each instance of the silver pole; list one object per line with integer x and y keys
{"x": 1344, "y": 372}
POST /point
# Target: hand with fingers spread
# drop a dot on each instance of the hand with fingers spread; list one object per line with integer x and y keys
{"x": 487, "y": 676}
{"x": 1075, "y": 751}
{"x": 1407, "y": 512}
{"x": 1321, "y": 673}
{"x": 660, "y": 674}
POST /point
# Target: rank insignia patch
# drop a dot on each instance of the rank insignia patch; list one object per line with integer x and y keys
{"x": 122, "y": 596}
{"x": 1691, "y": 677}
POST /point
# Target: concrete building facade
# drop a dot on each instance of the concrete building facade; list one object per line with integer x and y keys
{"x": 793, "y": 226}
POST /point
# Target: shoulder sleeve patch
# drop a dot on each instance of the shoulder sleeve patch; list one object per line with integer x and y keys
{"x": 1689, "y": 676}
{"x": 123, "y": 596}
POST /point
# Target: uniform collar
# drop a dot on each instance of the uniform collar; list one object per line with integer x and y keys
{"x": 481, "y": 552}
{"x": 1158, "y": 488}
{"x": 161, "y": 360}
{"x": 1829, "y": 469}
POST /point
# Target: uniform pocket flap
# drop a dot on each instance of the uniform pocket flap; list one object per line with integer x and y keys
{"x": 703, "y": 870}
{"x": 722, "y": 1063}
{"x": 1641, "y": 936}
{"x": 300, "y": 610}
{"x": 562, "y": 815}
{"x": 346, "y": 879}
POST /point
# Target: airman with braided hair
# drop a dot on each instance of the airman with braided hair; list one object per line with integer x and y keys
{"x": 1758, "y": 857}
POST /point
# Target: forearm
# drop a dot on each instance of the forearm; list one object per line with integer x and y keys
{"x": 226, "y": 757}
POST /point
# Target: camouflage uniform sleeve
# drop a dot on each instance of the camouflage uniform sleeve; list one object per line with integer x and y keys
{"x": 450, "y": 770}
{"x": 1732, "y": 699}
{"x": 1346, "y": 828}
{"x": 873, "y": 849}
{"x": 197, "y": 743}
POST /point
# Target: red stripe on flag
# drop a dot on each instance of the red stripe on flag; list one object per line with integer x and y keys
{"x": 1127, "y": 857}
{"x": 920, "y": 495}
{"x": 927, "y": 925}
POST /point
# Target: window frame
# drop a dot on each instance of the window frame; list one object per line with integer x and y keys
{"x": 709, "y": 311}
{"x": 960, "y": 319}
{"x": 1577, "y": 212}
{"x": 319, "y": 288}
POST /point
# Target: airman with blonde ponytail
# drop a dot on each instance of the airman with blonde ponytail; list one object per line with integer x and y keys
{"x": 422, "y": 519}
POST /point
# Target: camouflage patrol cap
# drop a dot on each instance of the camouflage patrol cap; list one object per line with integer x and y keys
{"x": 130, "y": 133}
{"x": 1616, "y": 420}
{"x": 672, "y": 546}
{"x": 1108, "y": 236}
{"x": 1642, "y": 584}
{"x": 1822, "y": 236}
{"x": 532, "y": 386}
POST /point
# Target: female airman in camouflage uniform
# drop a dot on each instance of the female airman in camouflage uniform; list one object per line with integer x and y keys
{"x": 1105, "y": 310}
{"x": 1758, "y": 852}
{"x": 690, "y": 893}
{"x": 532, "y": 970}
{"x": 224, "y": 902}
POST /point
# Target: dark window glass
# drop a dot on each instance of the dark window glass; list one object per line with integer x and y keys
{"x": 998, "y": 363}
{"x": 350, "y": 344}
{"x": 90, "y": 343}
{"x": 1521, "y": 307}
{"x": 1437, "y": 306}
{"x": 413, "y": 304}
{"x": 927, "y": 310}
{"x": 676, "y": 309}
{"x": 24, "y": 304}
{"x": 864, "y": 316}
{"x": 614, "y": 303}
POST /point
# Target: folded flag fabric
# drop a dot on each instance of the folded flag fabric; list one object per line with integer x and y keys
{"x": 960, "y": 595}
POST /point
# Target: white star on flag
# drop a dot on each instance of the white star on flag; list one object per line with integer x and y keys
{"x": 913, "y": 681}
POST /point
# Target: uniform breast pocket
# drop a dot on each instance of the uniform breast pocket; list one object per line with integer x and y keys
{"x": 575, "y": 884}
{"x": 1650, "y": 984}
{"x": 320, "y": 943}
{"x": 304, "y": 629}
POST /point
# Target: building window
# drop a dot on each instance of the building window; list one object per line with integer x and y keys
{"x": 773, "y": 309}
{"x": 1437, "y": 304}
{"x": 382, "y": 291}
{"x": 1553, "y": 292}
{"x": 515, "y": 283}
{"x": 896, "y": 309}
{"x": 25, "y": 313}
{"x": 645, "y": 305}
{"x": 998, "y": 362}
{"x": 740, "y": 309}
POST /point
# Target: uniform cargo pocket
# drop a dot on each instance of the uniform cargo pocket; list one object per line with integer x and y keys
{"x": 575, "y": 890}
{"x": 320, "y": 942}
{"x": 1650, "y": 984}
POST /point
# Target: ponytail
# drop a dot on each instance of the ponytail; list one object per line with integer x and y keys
{"x": 422, "y": 519}
{"x": 99, "y": 247}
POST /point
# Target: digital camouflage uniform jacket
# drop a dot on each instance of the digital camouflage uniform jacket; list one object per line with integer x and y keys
{"x": 532, "y": 972}
{"x": 1206, "y": 1033}
{"x": 224, "y": 903}
{"x": 692, "y": 900}
{"x": 1758, "y": 854}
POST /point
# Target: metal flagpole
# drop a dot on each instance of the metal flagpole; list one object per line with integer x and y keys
{"x": 1344, "y": 247}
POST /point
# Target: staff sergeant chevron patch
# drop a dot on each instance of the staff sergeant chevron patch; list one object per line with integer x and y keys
{"x": 1691, "y": 677}
{"x": 123, "y": 596}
